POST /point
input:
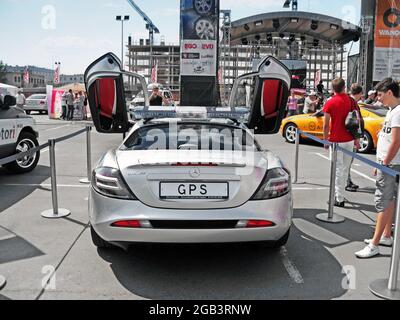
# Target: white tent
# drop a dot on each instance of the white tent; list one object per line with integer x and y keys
{"x": 7, "y": 89}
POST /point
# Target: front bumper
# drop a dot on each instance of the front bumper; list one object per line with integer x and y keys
{"x": 104, "y": 211}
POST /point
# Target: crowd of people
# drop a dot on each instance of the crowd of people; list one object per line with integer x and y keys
{"x": 314, "y": 101}
{"x": 336, "y": 110}
{"x": 74, "y": 106}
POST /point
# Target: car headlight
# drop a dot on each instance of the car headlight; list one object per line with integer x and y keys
{"x": 108, "y": 182}
{"x": 276, "y": 184}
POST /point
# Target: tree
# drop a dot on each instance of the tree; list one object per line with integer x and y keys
{"x": 2, "y": 71}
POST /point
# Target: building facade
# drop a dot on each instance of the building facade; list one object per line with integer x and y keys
{"x": 15, "y": 76}
{"x": 69, "y": 79}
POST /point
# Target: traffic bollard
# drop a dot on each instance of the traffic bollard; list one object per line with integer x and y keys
{"x": 390, "y": 288}
{"x": 296, "y": 161}
{"x": 331, "y": 217}
{"x": 56, "y": 212}
{"x": 88, "y": 156}
{"x": 2, "y": 282}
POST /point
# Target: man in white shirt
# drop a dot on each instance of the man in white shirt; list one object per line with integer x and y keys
{"x": 20, "y": 99}
{"x": 311, "y": 103}
{"x": 388, "y": 154}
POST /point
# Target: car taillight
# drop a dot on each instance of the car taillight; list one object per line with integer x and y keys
{"x": 42, "y": 102}
{"x": 252, "y": 224}
{"x": 109, "y": 182}
{"x": 131, "y": 224}
{"x": 276, "y": 184}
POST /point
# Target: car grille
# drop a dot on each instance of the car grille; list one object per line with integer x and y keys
{"x": 194, "y": 224}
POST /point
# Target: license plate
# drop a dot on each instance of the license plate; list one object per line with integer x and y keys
{"x": 194, "y": 190}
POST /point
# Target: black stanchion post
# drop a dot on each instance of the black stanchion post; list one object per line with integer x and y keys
{"x": 88, "y": 156}
{"x": 296, "y": 161}
{"x": 55, "y": 212}
{"x": 331, "y": 217}
{"x": 390, "y": 288}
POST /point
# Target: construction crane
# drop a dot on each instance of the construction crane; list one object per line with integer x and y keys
{"x": 149, "y": 26}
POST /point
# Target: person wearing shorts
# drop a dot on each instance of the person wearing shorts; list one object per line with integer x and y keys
{"x": 388, "y": 155}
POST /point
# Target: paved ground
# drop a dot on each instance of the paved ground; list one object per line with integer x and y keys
{"x": 311, "y": 266}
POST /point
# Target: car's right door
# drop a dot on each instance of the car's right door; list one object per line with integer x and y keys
{"x": 265, "y": 93}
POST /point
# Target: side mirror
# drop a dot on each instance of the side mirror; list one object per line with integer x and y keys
{"x": 8, "y": 102}
{"x": 104, "y": 80}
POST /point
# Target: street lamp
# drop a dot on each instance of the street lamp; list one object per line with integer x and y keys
{"x": 122, "y": 19}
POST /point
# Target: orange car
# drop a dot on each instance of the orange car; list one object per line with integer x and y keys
{"x": 374, "y": 118}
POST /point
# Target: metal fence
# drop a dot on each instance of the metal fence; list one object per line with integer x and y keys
{"x": 384, "y": 288}
{"x": 56, "y": 212}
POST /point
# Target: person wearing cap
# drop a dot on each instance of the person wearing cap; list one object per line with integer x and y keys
{"x": 371, "y": 97}
{"x": 156, "y": 98}
{"x": 311, "y": 103}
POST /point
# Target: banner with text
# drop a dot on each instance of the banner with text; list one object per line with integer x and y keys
{"x": 387, "y": 40}
{"x": 199, "y": 34}
{"x": 198, "y": 58}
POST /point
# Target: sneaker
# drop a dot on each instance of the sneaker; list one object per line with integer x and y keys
{"x": 386, "y": 242}
{"x": 351, "y": 188}
{"x": 352, "y": 185}
{"x": 339, "y": 204}
{"x": 368, "y": 252}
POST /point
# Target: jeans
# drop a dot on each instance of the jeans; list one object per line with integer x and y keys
{"x": 70, "y": 113}
{"x": 64, "y": 112}
{"x": 342, "y": 169}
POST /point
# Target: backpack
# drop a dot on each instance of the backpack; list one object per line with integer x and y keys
{"x": 354, "y": 121}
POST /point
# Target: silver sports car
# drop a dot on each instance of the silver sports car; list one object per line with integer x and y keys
{"x": 189, "y": 174}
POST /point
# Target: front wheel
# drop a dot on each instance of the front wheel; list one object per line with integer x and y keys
{"x": 28, "y": 111}
{"x": 290, "y": 133}
{"x": 366, "y": 143}
{"x": 26, "y": 142}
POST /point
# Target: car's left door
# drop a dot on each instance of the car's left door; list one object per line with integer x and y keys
{"x": 107, "y": 85}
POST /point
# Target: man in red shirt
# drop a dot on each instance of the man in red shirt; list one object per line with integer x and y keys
{"x": 336, "y": 111}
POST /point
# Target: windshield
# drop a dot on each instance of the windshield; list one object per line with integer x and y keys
{"x": 191, "y": 136}
{"x": 38, "y": 97}
{"x": 379, "y": 111}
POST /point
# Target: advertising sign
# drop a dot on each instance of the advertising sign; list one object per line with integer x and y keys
{"x": 387, "y": 40}
{"x": 199, "y": 34}
{"x": 198, "y": 58}
{"x": 54, "y": 102}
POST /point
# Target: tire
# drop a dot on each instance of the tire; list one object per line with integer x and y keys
{"x": 367, "y": 144}
{"x": 289, "y": 133}
{"x": 26, "y": 141}
{"x": 98, "y": 241}
{"x": 276, "y": 244}
{"x": 202, "y": 7}
{"x": 28, "y": 111}
{"x": 282, "y": 241}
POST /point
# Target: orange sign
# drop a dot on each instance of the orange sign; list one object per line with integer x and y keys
{"x": 387, "y": 40}
{"x": 387, "y": 31}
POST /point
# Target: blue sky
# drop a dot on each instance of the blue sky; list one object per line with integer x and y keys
{"x": 75, "y": 32}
